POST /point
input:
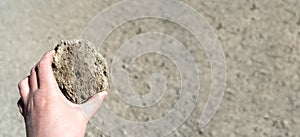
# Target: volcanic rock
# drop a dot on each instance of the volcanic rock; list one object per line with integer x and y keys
{"x": 79, "y": 69}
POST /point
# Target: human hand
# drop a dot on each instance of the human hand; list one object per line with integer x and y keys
{"x": 45, "y": 109}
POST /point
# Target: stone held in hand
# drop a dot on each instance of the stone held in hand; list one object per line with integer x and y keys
{"x": 79, "y": 69}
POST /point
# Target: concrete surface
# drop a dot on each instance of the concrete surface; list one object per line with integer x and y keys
{"x": 261, "y": 41}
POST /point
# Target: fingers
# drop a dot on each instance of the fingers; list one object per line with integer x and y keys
{"x": 45, "y": 73}
{"x": 24, "y": 89}
{"x": 20, "y": 105}
{"x": 33, "y": 83}
{"x": 90, "y": 107}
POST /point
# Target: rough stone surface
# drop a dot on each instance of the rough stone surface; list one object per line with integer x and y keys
{"x": 79, "y": 69}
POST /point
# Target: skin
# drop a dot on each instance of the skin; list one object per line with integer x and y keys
{"x": 45, "y": 109}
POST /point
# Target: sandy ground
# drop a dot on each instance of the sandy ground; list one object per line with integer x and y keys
{"x": 261, "y": 42}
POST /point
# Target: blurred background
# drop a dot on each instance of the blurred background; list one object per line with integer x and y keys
{"x": 261, "y": 42}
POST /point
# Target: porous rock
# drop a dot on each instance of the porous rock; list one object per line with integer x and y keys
{"x": 79, "y": 69}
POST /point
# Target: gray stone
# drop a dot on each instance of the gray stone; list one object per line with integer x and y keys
{"x": 79, "y": 69}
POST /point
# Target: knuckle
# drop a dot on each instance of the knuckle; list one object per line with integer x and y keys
{"x": 42, "y": 100}
{"x": 33, "y": 69}
{"x": 21, "y": 83}
{"x": 43, "y": 62}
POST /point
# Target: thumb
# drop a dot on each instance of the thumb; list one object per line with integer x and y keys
{"x": 90, "y": 107}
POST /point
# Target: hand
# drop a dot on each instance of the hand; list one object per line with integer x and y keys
{"x": 45, "y": 109}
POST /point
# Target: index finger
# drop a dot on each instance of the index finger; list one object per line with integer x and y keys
{"x": 45, "y": 73}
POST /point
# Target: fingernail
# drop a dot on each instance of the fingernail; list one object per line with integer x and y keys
{"x": 103, "y": 94}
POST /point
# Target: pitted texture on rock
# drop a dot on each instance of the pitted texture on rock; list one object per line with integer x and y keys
{"x": 80, "y": 70}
